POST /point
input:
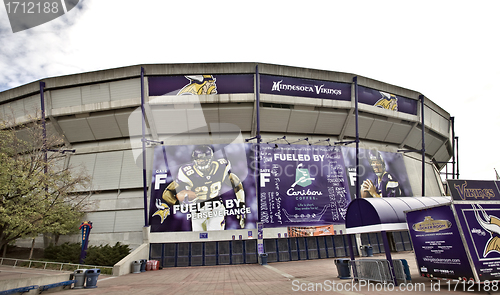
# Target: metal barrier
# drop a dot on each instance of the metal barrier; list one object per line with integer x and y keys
{"x": 19, "y": 290}
{"x": 377, "y": 270}
{"x": 60, "y": 284}
{"x": 57, "y": 266}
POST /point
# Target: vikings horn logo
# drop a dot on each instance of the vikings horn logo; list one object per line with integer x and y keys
{"x": 491, "y": 224}
{"x": 163, "y": 210}
{"x": 199, "y": 85}
{"x": 388, "y": 101}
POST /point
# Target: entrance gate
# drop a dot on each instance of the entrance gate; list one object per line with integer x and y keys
{"x": 278, "y": 250}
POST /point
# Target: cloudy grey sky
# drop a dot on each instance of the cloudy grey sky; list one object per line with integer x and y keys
{"x": 446, "y": 50}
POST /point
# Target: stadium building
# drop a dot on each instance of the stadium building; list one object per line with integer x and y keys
{"x": 196, "y": 163}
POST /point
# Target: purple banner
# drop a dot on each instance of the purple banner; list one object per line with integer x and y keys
{"x": 304, "y": 87}
{"x": 480, "y": 224}
{"x": 302, "y": 186}
{"x": 200, "y": 84}
{"x": 474, "y": 190}
{"x": 386, "y": 100}
{"x": 85, "y": 227}
{"x": 437, "y": 244}
{"x": 382, "y": 174}
{"x": 203, "y": 188}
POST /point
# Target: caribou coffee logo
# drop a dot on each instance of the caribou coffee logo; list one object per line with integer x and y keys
{"x": 430, "y": 225}
{"x": 25, "y": 15}
{"x": 302, "y": 178}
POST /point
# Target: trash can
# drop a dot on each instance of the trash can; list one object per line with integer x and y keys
{"x": 136, "y": 266}
{"x": 263, "y": 259}
{"x": 92, "y": 275}
{"x": 343, "y": 268}
{"x": 148, "y": 265}
{"x": 363, "y": 251}
{"x": 80, "y": 278}
{"x": 155, "y": 264}
{"x": 369, "y": 250}
{"x": 143, "y": 265}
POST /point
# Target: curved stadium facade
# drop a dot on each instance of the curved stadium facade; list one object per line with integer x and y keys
{"x": 296, "y": 183}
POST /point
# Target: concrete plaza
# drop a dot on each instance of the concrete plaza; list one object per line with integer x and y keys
{"x": 304, "y": 276}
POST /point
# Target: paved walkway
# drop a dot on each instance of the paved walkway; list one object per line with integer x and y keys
{"x": 311, "y": 276}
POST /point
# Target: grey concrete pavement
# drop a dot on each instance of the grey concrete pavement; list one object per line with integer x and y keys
{"x": 305, "y": 276}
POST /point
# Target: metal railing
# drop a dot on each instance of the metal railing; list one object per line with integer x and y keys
{"x": 56, "y": 266}
{"x": 377, "y": 270}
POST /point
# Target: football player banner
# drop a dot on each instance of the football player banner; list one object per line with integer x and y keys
{"x": 381, "y": 174}
{"x": 302, "y": 186}
{"x": 203, "y": 188}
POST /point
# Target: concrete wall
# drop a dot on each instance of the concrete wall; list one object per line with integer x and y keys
{"x": 39, "y": 280}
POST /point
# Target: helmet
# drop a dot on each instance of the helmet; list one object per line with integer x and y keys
{"x": 375, "y": 156}
{"x": 202, "y": 156}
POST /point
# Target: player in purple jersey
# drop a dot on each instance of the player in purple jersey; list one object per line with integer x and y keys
{"x": 385, "y": 185}
{"x": 200, "y": 182}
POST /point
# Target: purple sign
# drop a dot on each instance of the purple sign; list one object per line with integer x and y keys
{"x": 203, "y": 188}
{"x": 481, "y": 228}
{"x": 85, "y": 227}
{"x": 302, "y": 185}
{"x": 304, "y": 87}
{"x": 200, "y": 84}
{"x": 474, "y": 190}
{"x": 260, "y": 248}
{"x": 386, "y": 100}
{"x": 437, "y": 243}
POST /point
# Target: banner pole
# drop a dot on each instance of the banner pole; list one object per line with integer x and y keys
{"x": 452, "y": 147}
{"x": 44, "y": 128}
{"x": 355, "y": 80}
{"x": 257, "y": 101}
{"x": 144, "y": 175}
{"x": 423, "y": 144}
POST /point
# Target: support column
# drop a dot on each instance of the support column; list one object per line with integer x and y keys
{"x": 423, "y": 144}
{"x": 387, "y": 249}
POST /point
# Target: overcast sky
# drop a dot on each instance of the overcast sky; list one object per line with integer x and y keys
{"x": 446, "y": 50}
